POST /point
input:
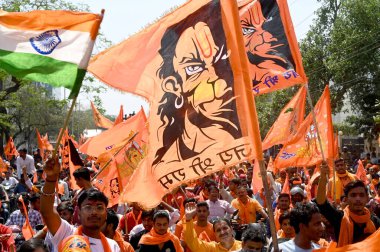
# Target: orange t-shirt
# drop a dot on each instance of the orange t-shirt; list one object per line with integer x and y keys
{"x": 247, "y": 212}
{"x": 208, "y": 230}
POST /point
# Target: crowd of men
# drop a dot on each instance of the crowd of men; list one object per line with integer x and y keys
{"x": 219, "y": 212}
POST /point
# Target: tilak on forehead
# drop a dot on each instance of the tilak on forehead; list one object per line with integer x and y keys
{"x": 204, "y": 39}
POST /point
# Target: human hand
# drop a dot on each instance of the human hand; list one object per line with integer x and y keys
{"x": 52, "y": 169}
{"x": 190, "y": 210}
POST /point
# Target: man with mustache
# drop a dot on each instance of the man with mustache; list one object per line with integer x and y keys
{"x": 223, "y": 233}
{"x": 92, "y": 206}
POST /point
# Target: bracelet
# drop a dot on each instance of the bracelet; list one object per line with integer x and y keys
{"x": 47, "y": 194}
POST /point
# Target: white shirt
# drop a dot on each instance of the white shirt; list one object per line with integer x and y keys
{"x": 136, "y": 229}
{"x": 66, "y": 191}
{"x": 11, "y": 181}
{"x": 290, "y": 246}
{"x": 65, "y": 230}
{"x": 28, "y": 162}
{"x": 219, "y": 208}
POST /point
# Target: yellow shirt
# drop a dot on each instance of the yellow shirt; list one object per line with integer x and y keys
{"x": 195, "y": 244}
{"x": 247, "y": 212}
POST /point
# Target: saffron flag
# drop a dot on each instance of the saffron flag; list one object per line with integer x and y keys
{"x": 271, "y": 45}
{"x": 108, "y": 139}
{"x": 48, "y": 46}
{"x": 303, "y": 149}
{"x": 286, "y": 186}
{"x": 271, "y": 167}
{"x": 43, "y": 144}
{"x": 117, "y": 166}
{"x": 10, "y": 149}
{"x": 3, "y": 165}
{"x": 100, "y": 120}
{"x": 27, "y": 230}
{"x": 371, "y": 243}
{"x": 360, "y": 172}
{"x": 71, "y": 160}
{"x": 192, "y": 68}
{"x": 120, "y": 117}
{"x": 288, "y": 121}
{"x": 257, "y": 182}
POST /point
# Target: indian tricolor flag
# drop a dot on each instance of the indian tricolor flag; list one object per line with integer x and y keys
{"x": 52, "y": 47}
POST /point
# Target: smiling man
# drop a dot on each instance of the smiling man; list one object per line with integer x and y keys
{"x": 355, "y": 222}
{"x": 92, "y": 206}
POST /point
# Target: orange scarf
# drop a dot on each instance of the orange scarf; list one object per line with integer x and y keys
{"x": 347, "y": 225}
{"x": 152, "y": 238}
{"x": 339, "y": 186}
{"x": 103, "y": 239}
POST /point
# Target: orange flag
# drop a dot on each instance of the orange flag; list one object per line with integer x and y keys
{"x": 303, "y": 149}
{"x": 115, "y": 176}
{"x": 271, "y": 166}
{"x": 271, "y": 45}
{"x": 371, "y": 243}
{"x": 286, "y": 186}
{"x": 3, "y": 166}
{"x": 100, "y": 120}
{"x": 191, "y": 66}
{"x": 27, "y": 230}
{"x": 71, "y": 160}
{"x": 43, "y": 145}
{"x": 114, "y": 136}
{"x": 257, "y": 182}
{"x": 10, "y": 149}
{"x": 360, "y": 172}
{"x": 336, "y": 146}
{"x": 120, "y": 117}
{"x": 288, "y": 121}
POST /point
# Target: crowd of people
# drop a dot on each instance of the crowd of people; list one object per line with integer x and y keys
{"x": 220, "y": 212}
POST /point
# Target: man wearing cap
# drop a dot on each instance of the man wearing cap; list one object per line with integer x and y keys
{"x": 297, "y": 194}
{"x": 342, "y": 178}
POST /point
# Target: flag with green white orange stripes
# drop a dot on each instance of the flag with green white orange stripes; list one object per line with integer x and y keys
{"x": 47, "y": 46}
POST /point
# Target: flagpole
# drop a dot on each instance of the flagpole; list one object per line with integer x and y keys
{"x": 315, "y": 120}
{"x": 109, "y": 161}
{"x": 64, "y": 125}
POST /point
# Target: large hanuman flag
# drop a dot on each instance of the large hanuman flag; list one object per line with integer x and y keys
{"x": 288, "y": 121}
{"x": 303, "y": 149}
{"x": 192, "y": 67}
{"x": 48, "y": 46}
{"x": 116, "y": 168}
{"x": 110, "y": 138}
{"x": 10, "y": 149}
{"x": 100, "y": 120}
{"x": 271, "y": 45}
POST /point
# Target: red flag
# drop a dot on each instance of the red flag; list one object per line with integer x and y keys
{"x": 27, "y": 230}
{"x": 288, "y": 121}
{"x": 100, "y": 120}
{"x": 257, "y": 182}
{"x": 120, "y": 117}
{"x": 360, "y": 172}
{"x": 191, "y": 66}
{"x": 271, "y": 45}
{"x": 303, "y": 149}
{"x": 10, "y": 149}
{"x": 114, "y": 136}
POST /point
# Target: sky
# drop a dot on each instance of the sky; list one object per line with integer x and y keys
{"x": 125, "y": 17}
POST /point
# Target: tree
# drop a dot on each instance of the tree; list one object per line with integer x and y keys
{"x": 342, "y": 48}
